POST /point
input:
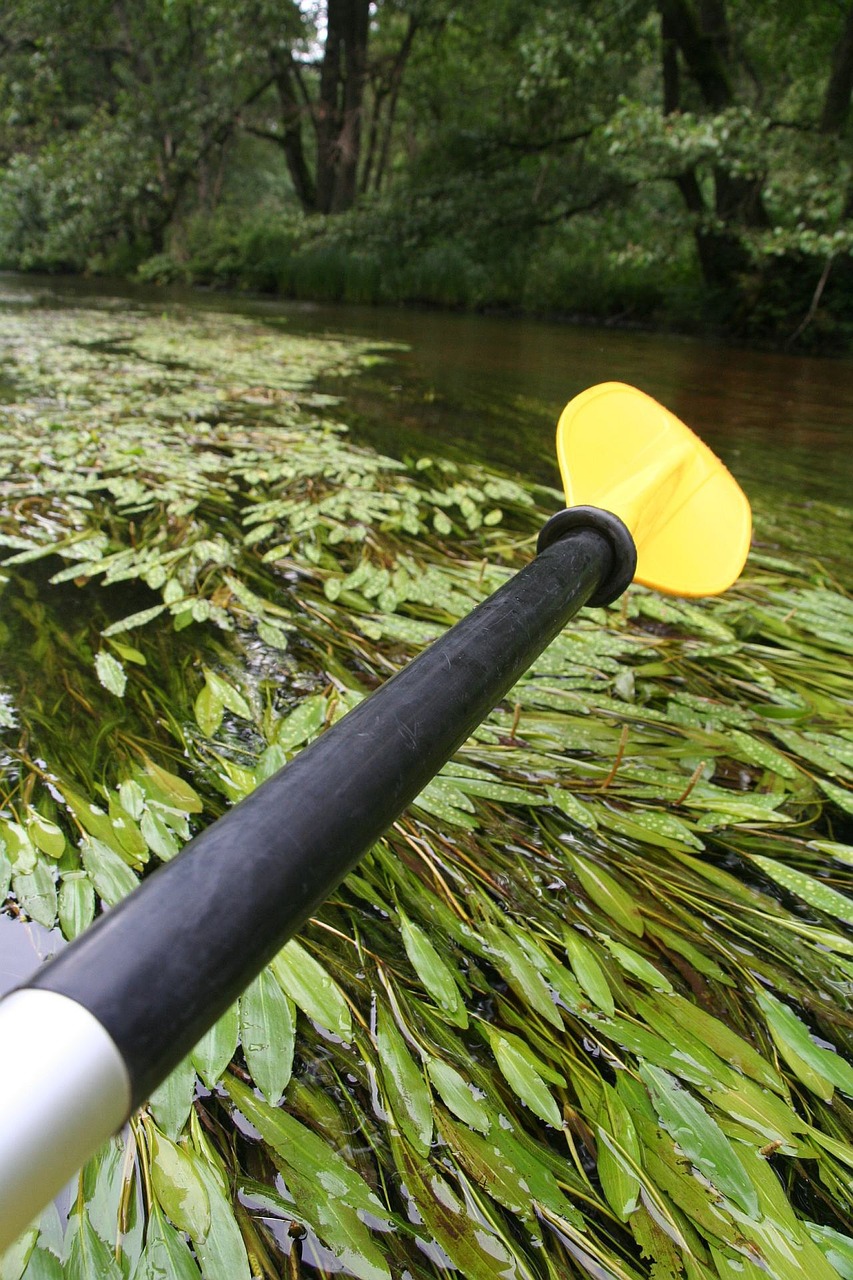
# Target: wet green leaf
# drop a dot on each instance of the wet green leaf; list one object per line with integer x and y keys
{"x": 36, "y": 893}
{"x": 76, "y": 903}
{"x": 572, "y": 807}
{"x": 305, "y": 1155}
{"x": 521, "y": 974}
{"x": 303, "y": 723}
{"x": 20, "y": 849}
{"x": 46, "y": 835}
{"x": 87, "y": 1257}
{"x": 217, "y": 1047}
{"x": 166, "y": 1255}
{"x": 637, "y": 965}
{"x": 13, "y": 1261}
{"x": 524, "y": 1079}
{"x": 42, "y": 1265}
{"x": 820, "y": 1069}
{"x": 404, "y": 1082}
{"x": 267, "y": 1033}
{"x": 473, "y": 1249}
{"x": 457, "y": 1094}
{"x": 177, "y": 1186}
{"x": 311, "y": 988}
{"x": 433, "y": 971}
{"x": 813, "y": 891}
{"x": 111, "y": 673}
{"x": 700, "y": 1138}
{"x": 170, "y": 1103}
{"x": 111, "y": 876}
{"x": 222, "y": 1252}
{"x": 588, "y": 971}
{"x": 725, "y": 1042}
{"x": 172, "y": 789}
{"x": 209, "y": 710}
{"x": 606, "y": 892}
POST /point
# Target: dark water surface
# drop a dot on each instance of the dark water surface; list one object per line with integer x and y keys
{"x": 492, "y": 388}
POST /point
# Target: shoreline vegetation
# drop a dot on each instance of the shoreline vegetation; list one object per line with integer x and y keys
{"x": 675, "y": 164}
{"x": 586, "y": 1009}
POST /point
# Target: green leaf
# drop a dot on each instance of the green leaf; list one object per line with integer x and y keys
{"x": 217, "y": 1047}
{"x": 607, "y": 893}
{"x": 179, "y": 1190}
{"x": 134, "y": 620}
{"x": 158, "y": 838}
{"x": 267, "y": 1033}
{"x": 303, "y": 723}
{"x": 328, "y": 1194}
{"x": 111, "y": 876}
{"x": 166, "y": 1255}
{"x": 225, "y": 694}
{"x": 45, "y": 835}
{"x": 700, "y": 1138}
{"x": 433, "y": 971}
{"x": 473, "y": 1248}
{"x": 405, "y": 1086}
{"x": 588, "y": 971}
{"x": 725, "y": 1042}
{"x": 19, "y": 848}
{"x": 619, "y": 1154}
{"x": 76, "y": 903}
{"x": 42, "y": 1265}
{"x": 13, "y": 1261}
{"x": 572, "y": 807}
{"x": 301, "y": 1149}
{"x": 87, "y": 1257}
{"x": 172, "y": 789}
{"x": 222, "y": 1252}
{"x": 636, "y": 965}
{"x": 819, "y": 1069}
{"x": 836, "y": 1248}
{"x": 524, "y": 1079}
{"x": 311, "y": 988}
{"x": 457, "y": 1094}
{"x": 520, "y": 972}
{"x": 111, "y": 673}
{"x": 209, "y": 710}
{"x": 813, "y": 891}
{"x": 36, "y": 894}
{"x": 170, "y": 1104}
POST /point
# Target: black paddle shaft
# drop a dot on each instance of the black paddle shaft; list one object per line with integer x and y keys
{"x": 160, "y": 968}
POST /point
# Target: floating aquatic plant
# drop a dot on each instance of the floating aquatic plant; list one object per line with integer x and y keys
{"x": 586, "y": 1008}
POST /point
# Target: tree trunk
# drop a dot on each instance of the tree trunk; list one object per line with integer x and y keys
{"x": 339, "y": 107}
{"x": 701, "y": 37}
{"x": 836, "y": 103}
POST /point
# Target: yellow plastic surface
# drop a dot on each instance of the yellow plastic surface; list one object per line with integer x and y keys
{"x": 620, "y": 450}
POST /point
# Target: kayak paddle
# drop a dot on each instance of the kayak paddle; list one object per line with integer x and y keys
{"x": 92, "y": 1033}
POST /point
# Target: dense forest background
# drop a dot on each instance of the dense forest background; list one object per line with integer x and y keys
{"x": 673, "y": 162}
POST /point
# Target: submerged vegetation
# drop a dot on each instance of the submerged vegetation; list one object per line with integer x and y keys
{"x": 584, "y": 1010}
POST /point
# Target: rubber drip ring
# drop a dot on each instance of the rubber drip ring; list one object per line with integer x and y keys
{"x": 618, "y": 536}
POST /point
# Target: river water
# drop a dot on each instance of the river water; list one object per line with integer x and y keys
{"x": 492, "y": 388}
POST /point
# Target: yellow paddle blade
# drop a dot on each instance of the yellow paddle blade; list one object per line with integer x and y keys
{"x": 620, "y": 450}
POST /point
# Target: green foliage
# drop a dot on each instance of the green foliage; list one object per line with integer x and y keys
{"x": 585, "y": 1008}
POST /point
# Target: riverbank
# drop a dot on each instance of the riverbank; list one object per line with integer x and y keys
{"x": 588, "y": 276}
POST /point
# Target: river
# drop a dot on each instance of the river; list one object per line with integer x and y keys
{"x": 493, "y": 387}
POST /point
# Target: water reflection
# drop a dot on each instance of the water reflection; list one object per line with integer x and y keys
{"x": 494, "y": 386}
{"x": 24, "y": 945}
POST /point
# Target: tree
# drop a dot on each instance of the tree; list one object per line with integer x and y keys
{"x": 748, "y": 193}
{"x": 332, "y": 94}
